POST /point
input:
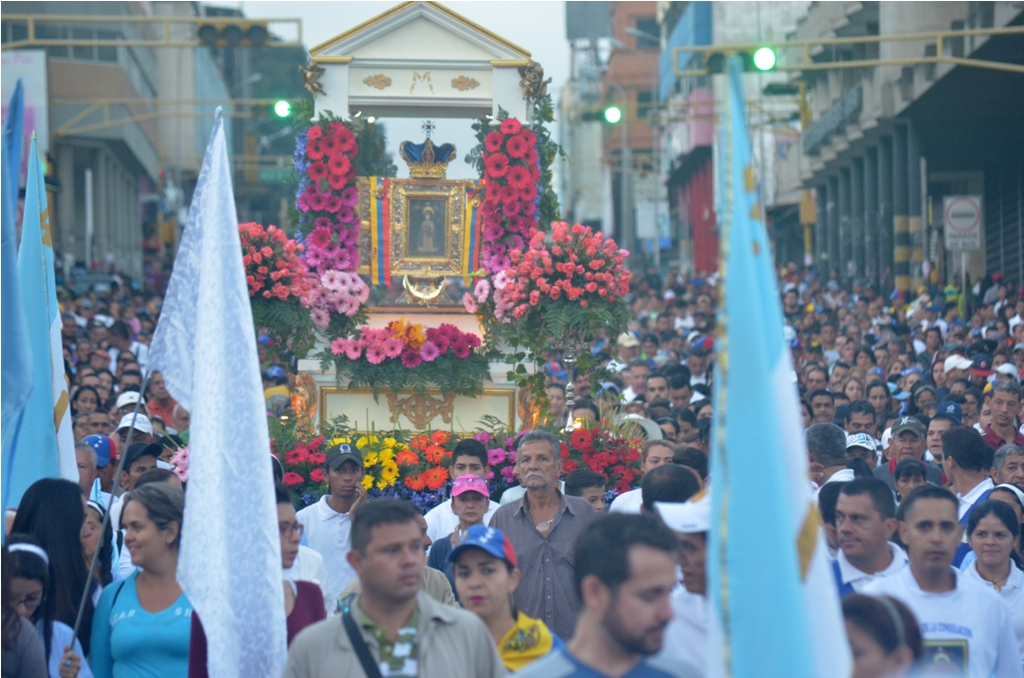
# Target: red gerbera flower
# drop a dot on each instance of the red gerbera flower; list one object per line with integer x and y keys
{"x": 339, "y": 164}
{"x": 493, "y": 141}
{"x": 345, "y": 139}
{"x": 330, "y": 143}
{"x": 315, "y": 133}
{"x": 516, "y": 146}
{"x": 518, "y": 177}
{"x": 581, "y": 439}
{"x": 317, "y": 171}
{"x": 510, "y": 126}
{"x": 315, "y": 149}
{"x": 527, "y": 193}
{"x": 337, "y": 181}
{"x": 320, "y": 238}
{"x": 496, "y": 164}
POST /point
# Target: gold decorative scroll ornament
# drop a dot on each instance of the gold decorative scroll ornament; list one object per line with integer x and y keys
{"x": 420, "y": 410}
{"x": 380, "y": 81}
{"x": 462, "y": 83}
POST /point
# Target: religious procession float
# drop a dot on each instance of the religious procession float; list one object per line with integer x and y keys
{"x": 421, "y": 309}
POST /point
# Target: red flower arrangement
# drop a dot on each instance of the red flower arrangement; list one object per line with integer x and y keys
{"x": 511, "y": 175}
{"x": 327, "y": 197}
{"x": 606, "y": 453}
{"x": 273, "y": 266}
{"x": 579, "y": 266}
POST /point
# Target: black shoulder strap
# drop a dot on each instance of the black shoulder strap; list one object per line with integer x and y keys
{"x": 117, "y": 593}
{"x": 370, "y": 667}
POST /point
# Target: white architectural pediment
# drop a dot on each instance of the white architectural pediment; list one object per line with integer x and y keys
{"x": 421, "y": 59}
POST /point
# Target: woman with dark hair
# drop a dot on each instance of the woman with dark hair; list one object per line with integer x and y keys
{"x": 992, "y": 531}
{"x": 31, "y": 582}
{"x": 486, "y": 576}
{"x": 143, "y": 622}
{"x": 877, "y": 393}
{"x": 22, "y": 653}
{"x": 93, "y": 538}
{"x": 51, "y": 512}
{"x": 883, "y": 634}
{"x": 806, "y": 413}
{"x": 86, "y": 400}
{"x": 303, "y": 600}
{"x": 864, "y": 357}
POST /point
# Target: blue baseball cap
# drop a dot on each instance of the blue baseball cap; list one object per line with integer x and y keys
{"x": 104, "y": 448}
{"x": 951, "y": 411}
{"x": 490, "y": 539}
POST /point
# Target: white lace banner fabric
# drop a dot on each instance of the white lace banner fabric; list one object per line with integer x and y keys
{"x": 205, "y": 347}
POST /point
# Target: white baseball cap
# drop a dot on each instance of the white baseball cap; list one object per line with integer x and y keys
{"x": 142, "y": 423}
{"x": 1006, "y": 368}
{"x": 688, "y": 517}
{"x": 956, "y": 362}
{"x": 129, "y": 398}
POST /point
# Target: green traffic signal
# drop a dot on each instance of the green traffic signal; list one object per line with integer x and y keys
{"x": 764, "y": 59}
{"x": 612, "y": 114}
{"x": 282, "y": 109}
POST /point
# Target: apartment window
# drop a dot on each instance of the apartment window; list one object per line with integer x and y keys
{"x": 647, "y": 36}
{"x": 644, "y": 104}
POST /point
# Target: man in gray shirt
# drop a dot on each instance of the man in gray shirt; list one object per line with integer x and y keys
{"x": 543, "y": 526}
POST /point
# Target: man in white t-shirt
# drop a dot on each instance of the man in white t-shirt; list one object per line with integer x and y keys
{"x": 468, "y": 458}
{"x": 656, "y": 453}
{"x": 963, "y": 622}
{"x": 686, "y": 636}
{"x": 328, "y": 523}
{"x": 865, "y": 521}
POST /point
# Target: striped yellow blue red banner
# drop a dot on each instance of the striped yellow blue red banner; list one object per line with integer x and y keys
{"x": 380, "y": 232}
{"x": 471, "y": 253}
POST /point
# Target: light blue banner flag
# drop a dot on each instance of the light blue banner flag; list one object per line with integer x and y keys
{"x": 35, "y": 454}
{"x": 14, "y": 141}
{"x": 16, "y": 355}
{"x": 774, "y": 599}
{"x": 205, "y": 348}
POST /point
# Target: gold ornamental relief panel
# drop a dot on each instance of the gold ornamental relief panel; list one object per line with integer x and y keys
{"x": 422, "y": 223}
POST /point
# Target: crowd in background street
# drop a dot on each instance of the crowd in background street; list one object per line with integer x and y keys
{"x": 915, "y": 445}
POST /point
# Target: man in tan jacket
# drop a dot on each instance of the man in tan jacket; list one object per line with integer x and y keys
{"x": 406, "y": 632}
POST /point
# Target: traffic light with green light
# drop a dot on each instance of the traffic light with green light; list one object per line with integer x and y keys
{"x": 282, "y": 109}
{"x": 764, "y": 59}
{"x": 612, "y": 114}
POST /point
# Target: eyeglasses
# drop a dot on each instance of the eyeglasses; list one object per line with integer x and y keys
{"x": 29, "y": 603}
{"x": 288, "y": 528}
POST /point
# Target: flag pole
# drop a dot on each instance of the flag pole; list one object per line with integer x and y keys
{"x": 106, "y": 518}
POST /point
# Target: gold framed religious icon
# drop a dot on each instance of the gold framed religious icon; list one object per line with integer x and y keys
{"x": 427, "y": 238}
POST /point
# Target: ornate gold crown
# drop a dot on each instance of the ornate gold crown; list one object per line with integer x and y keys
{"x": 425, "y": 160}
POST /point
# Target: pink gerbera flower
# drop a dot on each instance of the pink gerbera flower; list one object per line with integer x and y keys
{"x": 375, "y": 353}
{"x": 350, "y": 196}
{"x": 429, "y": 352}
{"x": 316, "y": 202}
{"x": 319, "y": 238}
{"x": 393, "y": 347}
{"x": 353, "y": 350}
{"x": 469, "y": 302}
{"x": 332, "y": 204}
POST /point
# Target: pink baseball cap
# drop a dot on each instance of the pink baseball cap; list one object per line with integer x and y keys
{"x": 470, "y": 483}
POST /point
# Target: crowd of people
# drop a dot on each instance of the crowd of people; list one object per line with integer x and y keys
{"x": 915, "y": 446}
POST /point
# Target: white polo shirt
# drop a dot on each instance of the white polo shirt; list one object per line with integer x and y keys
{"x": 686, "y": 636}
{"x": 329, "y": 534}
{"x": 309, "y": 566}
{"x": 442, "y": 521}
{"x": 627, "y": 502}
{"x": 969, "y": 625}
{"x": 1013, "y": 593}
{"x": 858, "y": 580}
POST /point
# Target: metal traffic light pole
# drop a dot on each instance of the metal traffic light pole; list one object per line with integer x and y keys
{"x": 628, "y": 242}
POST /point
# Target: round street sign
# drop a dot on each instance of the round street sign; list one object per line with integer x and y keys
{"x": 963, "y": 216}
